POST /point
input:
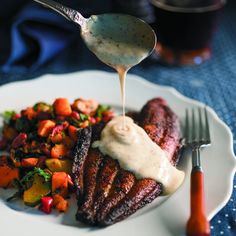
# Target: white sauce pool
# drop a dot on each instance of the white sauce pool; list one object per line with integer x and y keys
{"x": 136, "y": 152}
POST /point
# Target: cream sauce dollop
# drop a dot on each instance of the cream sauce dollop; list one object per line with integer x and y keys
{"x": 136, "y": 152}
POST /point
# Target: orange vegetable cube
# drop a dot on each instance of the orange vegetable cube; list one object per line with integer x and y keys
{"x": 59, "y": 150}
{"x": 29, "y": 162}
{"x": 45, "y": 127}
{"x": 84, "y": 124}
{"x": 73, "y": 132}
{"x": 57, "y": 138}
{"x": 62, "y": 107}
{"x": 29, "y": 113}
{"x": 7, "y": 173}
{"x": 60, "y": 203}
{"x": 60, "y": 183}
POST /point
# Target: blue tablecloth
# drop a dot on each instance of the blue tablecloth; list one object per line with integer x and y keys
{"x": 213, "y": 82}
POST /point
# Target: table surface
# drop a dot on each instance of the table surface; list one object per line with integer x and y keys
{"x": 213, "y": 83}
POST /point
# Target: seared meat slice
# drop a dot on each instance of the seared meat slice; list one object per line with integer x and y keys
{"x": 92, "y": 163}
{"x": 162, "y": 126}
{"x": 80, "y": 154}
{"x": 108, "y": 193}
{"x": 105, "y": 179}
{"x": 123, "y": 182}
{"x": 143, "y": 192}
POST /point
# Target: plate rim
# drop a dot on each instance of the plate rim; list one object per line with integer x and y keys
{"x": 171, "y": 90}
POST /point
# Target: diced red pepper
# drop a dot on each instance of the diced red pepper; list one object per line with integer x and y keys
{"x": 16, "y": 116}
{"x": 75, "y": 115}
{"x": 46, "y": 204}
{"x": 20, "y": 140}
{"x": 92, "y": 120}
{"x": 98, "y": 119}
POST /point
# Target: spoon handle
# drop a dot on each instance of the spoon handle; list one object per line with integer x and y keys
{"x": 68, "y": 13}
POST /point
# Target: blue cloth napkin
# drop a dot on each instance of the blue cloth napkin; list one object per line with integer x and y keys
{"x": 37, "y": 35}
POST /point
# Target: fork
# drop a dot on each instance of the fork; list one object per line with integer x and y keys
{"x": 197, "y": 135}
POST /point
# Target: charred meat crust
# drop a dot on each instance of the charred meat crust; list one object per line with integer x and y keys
{"x": 85, "y": 212}
{"x": 107, "y": 193}
{"x": 105, "y": 179}
{"x": 137, "y": 197}
{"x": 80, "y": 154}
{"x": 123, "y": 182}
{"x": 162, "y": 126}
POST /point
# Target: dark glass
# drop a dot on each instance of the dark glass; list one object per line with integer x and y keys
{"x": 185, "y": 30}
{"x": 185, "y": 36}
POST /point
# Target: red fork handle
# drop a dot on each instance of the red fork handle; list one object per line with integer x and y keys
{"x": 197, "y": 225}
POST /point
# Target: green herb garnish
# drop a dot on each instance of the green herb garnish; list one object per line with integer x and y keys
{"x": 7, "y": 115}
{"x": 42, "y": 106}
{"x": 101, "y": 109}
{"x": 28, "y": 177}
{"x": 24, "y": 183}
{"x": 83, "y": 117}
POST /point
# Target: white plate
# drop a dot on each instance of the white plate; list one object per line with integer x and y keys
{"x": 168, "y": 218}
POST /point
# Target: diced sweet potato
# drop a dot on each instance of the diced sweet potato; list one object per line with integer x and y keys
{"x": 45, "y": 127}
{"x": 73, "y": 132}
{"x": 84, "y": 124}
{"x": 29, "y": 162}
{"x": 60, "y": 203}
{"x": 62, "y": 107}
{"x": 57, "y": 138}
{"x": 7, "y": 173}
{"x": 59, "y": 150}
{"x": 60, "y": 183}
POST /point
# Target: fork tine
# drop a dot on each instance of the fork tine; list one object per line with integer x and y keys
{"x": 187, "y": 128}
{"x": 201, "y": 135}
{"x": 207, "y": 130}
{"x": 193, "y": 127}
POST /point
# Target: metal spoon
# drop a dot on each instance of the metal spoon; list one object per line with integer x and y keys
{"x": 116, "y": 39}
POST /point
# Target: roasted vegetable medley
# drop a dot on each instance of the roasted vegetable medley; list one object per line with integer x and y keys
{"x": 40, "y": 141}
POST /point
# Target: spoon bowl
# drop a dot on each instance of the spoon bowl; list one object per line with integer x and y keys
{"x": 116, "y": 39}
